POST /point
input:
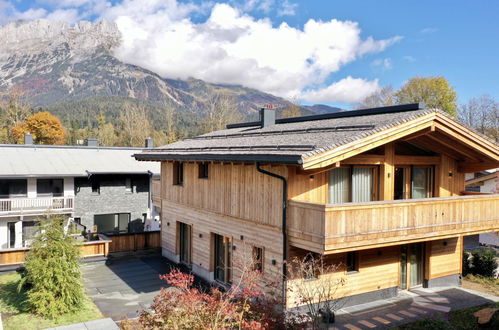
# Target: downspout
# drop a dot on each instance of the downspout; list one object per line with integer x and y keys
{"x": 284, "y": 232}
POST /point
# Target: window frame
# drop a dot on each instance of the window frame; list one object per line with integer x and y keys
{"x": 178, "y": 173}
{"x": 203, "y": 170}
{"x": 51, "y": 185}
{"x": 257, "y": 258}
{"x": 352, "y": 262}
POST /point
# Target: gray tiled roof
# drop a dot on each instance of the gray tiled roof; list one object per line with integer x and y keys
{"x": 280, "y": 143}
{"x": 43, "y": 160}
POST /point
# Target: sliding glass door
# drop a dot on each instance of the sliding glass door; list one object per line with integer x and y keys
{"x": 422, "y": 182}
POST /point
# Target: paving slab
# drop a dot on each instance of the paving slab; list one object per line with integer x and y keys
{"x": 409, "y": 307}
{"x": 123, "y": 287}
{"x": 103, "y": 324}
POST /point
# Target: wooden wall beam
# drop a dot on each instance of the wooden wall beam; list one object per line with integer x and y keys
{"x": 470, "y": 167}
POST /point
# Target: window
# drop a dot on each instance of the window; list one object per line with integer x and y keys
{"x": 11, "y": 234}
{"x": 128, "y": 185}
{"x": 413, "y": 182}
{"x": 257, "y": 256}
{"x": 30, "y": 229}
{"x": 352, "y": 262}
{"x": 184, "y": 242}
{"x": 178, "y": 173}
{"x": 50, "y": 187}
{"x": 95, "y": 186}
{"x": 222, "y": 258}
{"x": 422, "y": 182}
{"x": 351, "y": 184}
{"x": 309, "y": 269}
{"x": 13, "y": 188}
{"x": 203, "y": 171}
{"x": 112, "y": 223}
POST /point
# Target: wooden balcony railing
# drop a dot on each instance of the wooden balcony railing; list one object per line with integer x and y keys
{"x": 38, "y": 205}
{"x": 322, "y": 227}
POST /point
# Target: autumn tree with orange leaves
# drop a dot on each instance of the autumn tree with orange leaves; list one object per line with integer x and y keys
{"x": 44, "y": 126}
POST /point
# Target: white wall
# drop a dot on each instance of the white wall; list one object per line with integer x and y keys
{"x": 3, "y": 233}
{"x": 69, "y": 187}
{"x": 31, "y": 188}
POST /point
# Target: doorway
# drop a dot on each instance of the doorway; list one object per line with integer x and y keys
{"x": 222, "y": 258}
{"x": 185, "y": 242}
{"x": 411, "y": 265}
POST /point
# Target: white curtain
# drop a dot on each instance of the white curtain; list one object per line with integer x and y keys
{"x": 362, "y": 184}
{"x": 339, "y": 185}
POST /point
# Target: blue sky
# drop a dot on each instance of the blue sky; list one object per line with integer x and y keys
{"x": 456, "y": 39}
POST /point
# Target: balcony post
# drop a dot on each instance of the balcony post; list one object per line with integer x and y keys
{"x": 388, "y": 174}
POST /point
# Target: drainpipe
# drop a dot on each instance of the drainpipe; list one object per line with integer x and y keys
{"x": 284, "y": 233}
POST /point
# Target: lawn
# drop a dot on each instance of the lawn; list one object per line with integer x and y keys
{"x": 16, "y": 316}
{"x": 457, "y": 320}
{"x": 483, "y": 284}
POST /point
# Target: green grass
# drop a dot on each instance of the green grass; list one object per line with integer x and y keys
{"x": 15, "y": 313}
{"x": 457, "y": 320}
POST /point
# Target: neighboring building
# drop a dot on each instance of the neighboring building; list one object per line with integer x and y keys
{"x": 376, "y": 191}
{"x": 483, "y": 182}
{"x": 102, "y": 188}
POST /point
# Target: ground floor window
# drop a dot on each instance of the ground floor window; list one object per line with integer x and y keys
{"x": 11, "y": 234}
{"x": 30, "y": 229}
{"x": 257, "y": 256}
{"x": 222, "y": 258}
{"x": 352, "y": 262}
{"x": 184, "y": 242}
{"x": 112, "y": 223}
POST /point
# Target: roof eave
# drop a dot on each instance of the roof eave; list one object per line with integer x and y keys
{"x": 238, "y": 158}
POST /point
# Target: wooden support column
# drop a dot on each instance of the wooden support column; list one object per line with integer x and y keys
{"x": 388, "y": 173}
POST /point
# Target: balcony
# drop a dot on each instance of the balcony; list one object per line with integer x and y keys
{"x": 326, "y": 228}
{"x": 35, "y": 206}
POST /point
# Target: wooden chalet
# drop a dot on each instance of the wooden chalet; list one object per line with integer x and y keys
{"x": 378, "y": 191}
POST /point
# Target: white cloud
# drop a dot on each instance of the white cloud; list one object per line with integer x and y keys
{"x": 428, "y": 30}
{"x": 31, "y": 14}
{"x": 234, "y": 47}
{"x": 348, "y": 90}
{"x": 287, "y": 9}
{"x": 409, "y": 58}
{"x": 383, "y": 63}
{"x": 64, "y": 15}
{"x": 230, "y": 46}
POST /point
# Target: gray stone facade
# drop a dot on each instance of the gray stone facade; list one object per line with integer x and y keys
{"x": 112, "y": 197}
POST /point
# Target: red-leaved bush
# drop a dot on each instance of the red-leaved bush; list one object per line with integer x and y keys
{"x": 244, "y": 305}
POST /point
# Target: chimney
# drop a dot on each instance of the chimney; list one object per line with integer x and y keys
{"x": 267, "y": 116}
{"x": 28, "y": 138}
{"x": 92, "y": 142}
{"x": 149, "y": 143}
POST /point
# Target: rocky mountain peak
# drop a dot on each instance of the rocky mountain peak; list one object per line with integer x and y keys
{"x": 43, "y": 36}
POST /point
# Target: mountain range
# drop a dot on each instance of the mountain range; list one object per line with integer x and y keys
{"x": 72, "y": 72}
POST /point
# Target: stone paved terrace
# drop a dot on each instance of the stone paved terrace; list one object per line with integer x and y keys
{"x": 125, "y": 285}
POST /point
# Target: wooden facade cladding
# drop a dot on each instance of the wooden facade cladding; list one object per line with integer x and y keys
{"x": 327, "y": 228}
{"x": 234, "y": 190}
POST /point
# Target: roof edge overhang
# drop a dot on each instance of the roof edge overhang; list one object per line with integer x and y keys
{"x": 448, "y": 126}
{"x": 237, "y": 158}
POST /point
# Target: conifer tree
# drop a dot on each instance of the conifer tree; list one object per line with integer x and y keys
{"x": 53, "y": 276}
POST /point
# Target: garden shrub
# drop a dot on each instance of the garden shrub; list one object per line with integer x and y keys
{"x": 483, "y": 262}
{"x": 242, "y": 306}
{"x": 52, "y": 275}
{"x": 466, "y": 263}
